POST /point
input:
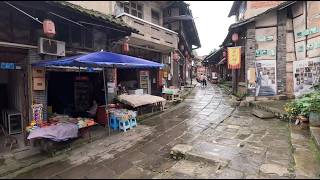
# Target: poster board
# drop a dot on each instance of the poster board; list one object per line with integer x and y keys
{"x": 305, "y": 74}
{"x": 37, "y": 113}
{"x": 266, "y": 78}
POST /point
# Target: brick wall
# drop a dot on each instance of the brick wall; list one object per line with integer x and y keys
{"x": 281, "y": 52}
{"x": 39, "y": 97}
{"x": 250, "y": 51}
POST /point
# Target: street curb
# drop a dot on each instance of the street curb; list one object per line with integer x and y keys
{"x": 33, "y": 166}
{"x": 278, "y": 114}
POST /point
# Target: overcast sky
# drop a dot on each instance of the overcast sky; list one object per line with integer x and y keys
{"x": 212, "y": 23}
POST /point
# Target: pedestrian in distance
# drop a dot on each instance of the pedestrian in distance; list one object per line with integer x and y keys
{"x": 201, "y": 80}
{"x": 204, "y": 81}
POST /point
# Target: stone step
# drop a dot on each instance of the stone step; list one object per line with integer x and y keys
{"x": 193, "y": 153}
{"x": 315, "y": 134}
{"x": 262, "y": 114}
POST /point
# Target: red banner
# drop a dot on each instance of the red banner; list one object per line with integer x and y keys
{"x": 234, "y": 57}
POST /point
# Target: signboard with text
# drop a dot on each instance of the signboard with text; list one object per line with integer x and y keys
{"x": 234, "y": 57}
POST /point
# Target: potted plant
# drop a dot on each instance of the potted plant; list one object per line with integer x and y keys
{"x": 292, "y": 109}
{"x": 314, "y": 116}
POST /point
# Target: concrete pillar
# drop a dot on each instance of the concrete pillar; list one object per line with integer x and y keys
{"x": 250, "y": 52}
{"x": 281, "y": 52}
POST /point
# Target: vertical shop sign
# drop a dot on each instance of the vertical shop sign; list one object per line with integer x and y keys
{"x": 160, "y": 77}
{"x": 234, "y": 57}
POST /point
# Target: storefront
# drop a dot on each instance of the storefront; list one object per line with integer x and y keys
{"x": 73, "y": 93}
{"x": 146, "y": 80}
{"x": 13, "y": 90}
{"x": 24, "y": 40}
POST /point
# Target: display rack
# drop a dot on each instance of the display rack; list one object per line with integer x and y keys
{"x": 81, "y": 93}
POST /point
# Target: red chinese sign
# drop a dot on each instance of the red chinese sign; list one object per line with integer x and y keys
{"x": 234, "y": 57}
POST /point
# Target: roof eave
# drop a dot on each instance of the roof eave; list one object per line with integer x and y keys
{"x": 95, "y": 14}
{"x": 234, "y": 7}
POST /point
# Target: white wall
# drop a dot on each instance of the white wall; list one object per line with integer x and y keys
{"x": 105, "y": 7}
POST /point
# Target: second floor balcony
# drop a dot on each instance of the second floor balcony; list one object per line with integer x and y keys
{"x": 150, "y": 35}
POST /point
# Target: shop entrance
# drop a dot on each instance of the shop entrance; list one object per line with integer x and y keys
{"x": 71, "y": 93}
{"x": 13, "y": 94}
{"x": 128, "y": 78}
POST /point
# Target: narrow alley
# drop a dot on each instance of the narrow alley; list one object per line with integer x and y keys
{"x": 242, "y": 144}
{"x": 159, "y": 89}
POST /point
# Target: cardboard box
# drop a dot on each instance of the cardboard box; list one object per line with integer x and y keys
{"x": 39, "y": 84}
{"x": 38, "y": 73}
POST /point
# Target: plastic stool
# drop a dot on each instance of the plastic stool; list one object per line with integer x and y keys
{"x": 133, "y": 122}
{"x": 124, "y": 125}
{"x": 114, "y": 122}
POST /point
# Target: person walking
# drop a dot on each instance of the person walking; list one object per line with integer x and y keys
{"x": 201, "y": 79}
{"x": 204, "y": 81}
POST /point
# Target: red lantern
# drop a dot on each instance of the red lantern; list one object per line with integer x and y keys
{"x": 125, "y": 47}
{"x": 224, "y": 53}
{"x": 235, "y": 37}
{"x": 49, "y": 28}
{"x": 176, "y": 56}
{"x": 186, "y": 53}
{"x": 181, "y": 47}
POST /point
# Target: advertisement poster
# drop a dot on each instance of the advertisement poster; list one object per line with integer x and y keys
{"x": 266, "y": 78}
{"x": 306, "y": 74}
{"x": 234, "y": 57}
{"x": 37, "y": 113}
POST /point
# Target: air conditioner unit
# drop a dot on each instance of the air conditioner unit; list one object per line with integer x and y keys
{"x": 52, "y": 47}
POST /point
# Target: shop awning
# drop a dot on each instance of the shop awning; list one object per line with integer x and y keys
{"x": 100, "y": 59}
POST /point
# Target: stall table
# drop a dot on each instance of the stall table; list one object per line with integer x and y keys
{"x": 137, "y": 101}
{"x": 48, "y": 138}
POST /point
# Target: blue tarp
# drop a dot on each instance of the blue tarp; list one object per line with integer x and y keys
{"x": 100, "y": 59}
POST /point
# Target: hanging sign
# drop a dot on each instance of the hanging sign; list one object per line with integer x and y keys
{"x": 310, "y": 31}
{"x": 7, "y": 66}
{"x": 160, "y": 76}
{"x": 234, "y": 57}
{"x": 310, "y": 46}
{"x": 264, "y": 52}
{"x": 264, "y": 38}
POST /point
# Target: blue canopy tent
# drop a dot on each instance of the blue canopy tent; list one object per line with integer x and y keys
{"x": 100, "y": 60}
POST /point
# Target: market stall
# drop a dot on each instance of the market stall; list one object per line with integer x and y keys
{"x": 100, "y": 60}
{"x": 171, "y": 94}
{"x": 60, "y": 128}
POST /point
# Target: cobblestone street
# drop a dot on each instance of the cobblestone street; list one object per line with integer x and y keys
{"x": 160, "y": 90}
{"x": 226, "y": 142}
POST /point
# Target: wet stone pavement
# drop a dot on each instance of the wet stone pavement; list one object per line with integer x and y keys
{"x": 248, "y": 146}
